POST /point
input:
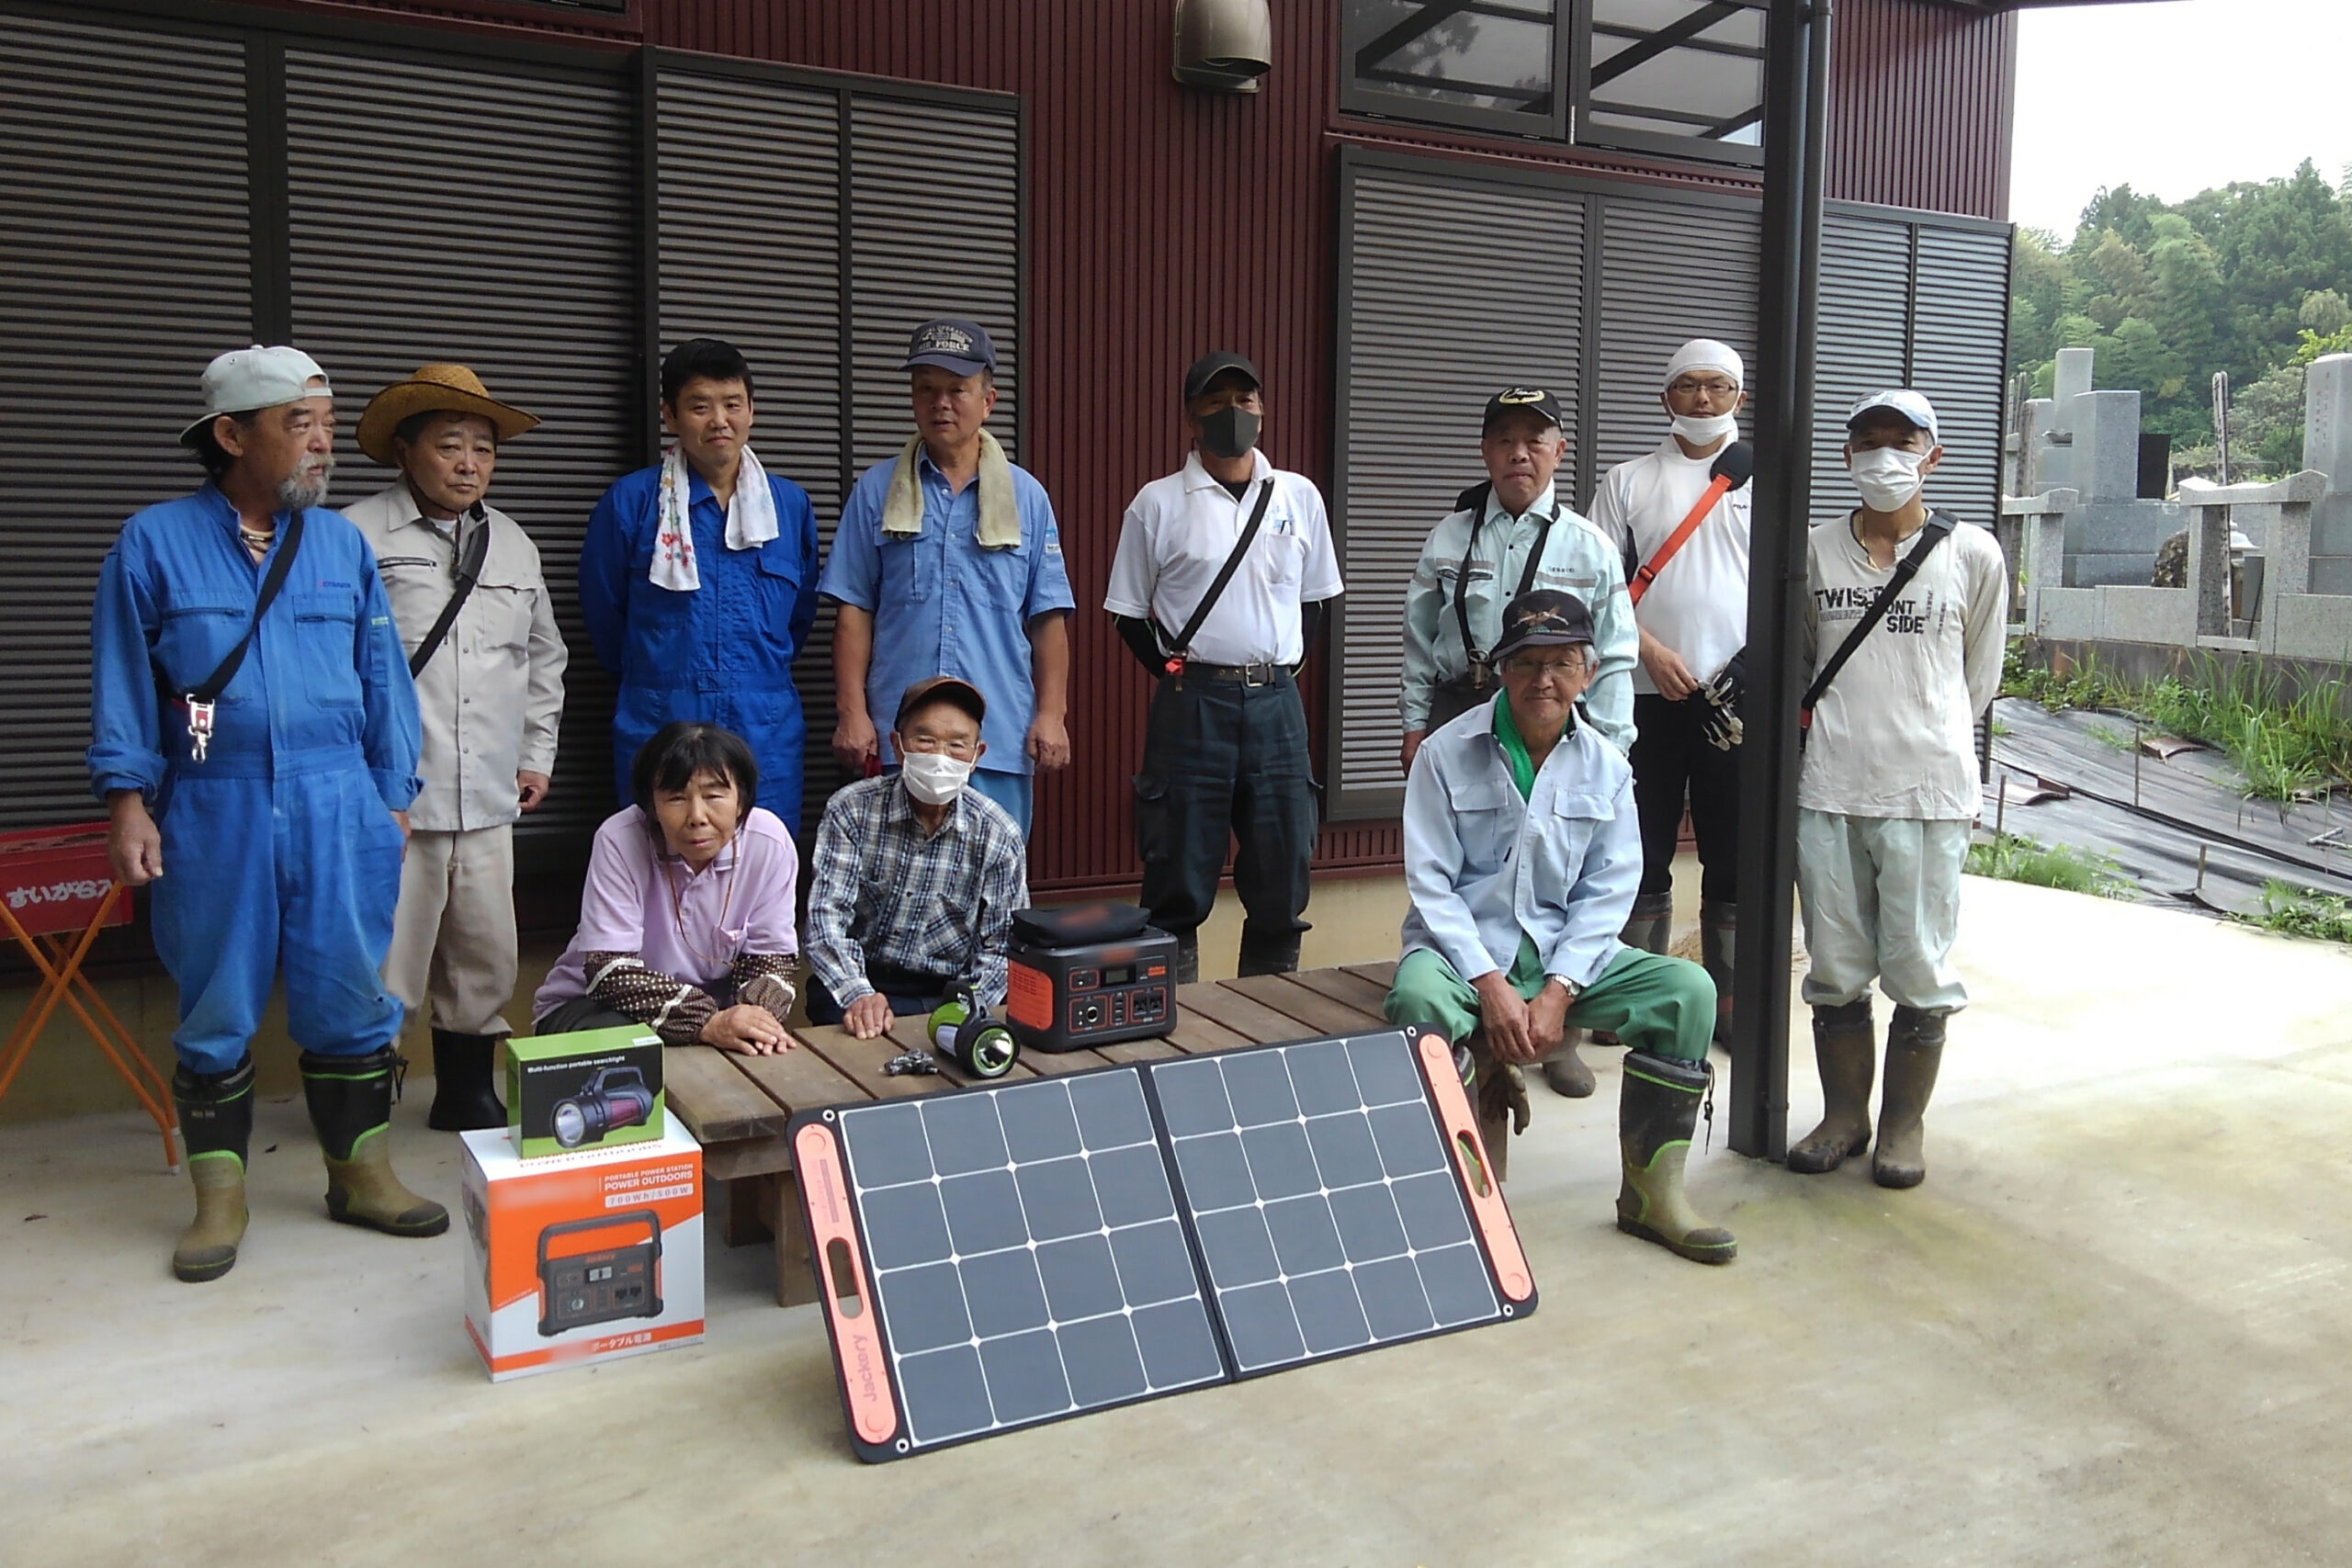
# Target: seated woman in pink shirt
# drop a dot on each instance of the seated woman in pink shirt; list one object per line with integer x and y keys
{"x": 687, "y": 920}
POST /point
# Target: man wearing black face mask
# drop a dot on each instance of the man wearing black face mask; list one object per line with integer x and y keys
{"x": 1221, "y": 570}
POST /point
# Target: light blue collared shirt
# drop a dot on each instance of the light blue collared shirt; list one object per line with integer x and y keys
{"x": 1484, "y": 867}
{"x": 942, "y": 605}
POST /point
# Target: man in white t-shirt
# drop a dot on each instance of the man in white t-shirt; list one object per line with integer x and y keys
{"x": 1693, "y": 620}
{"x": 1225, "y": 751}
{"x": 1889, "y": 785}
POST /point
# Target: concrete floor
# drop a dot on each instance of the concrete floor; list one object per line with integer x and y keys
{"x": 2110, "y": 1329}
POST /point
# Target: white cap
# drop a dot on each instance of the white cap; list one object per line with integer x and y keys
{"x": 1706, "y": 353}
{"x": 245, "y": 379}
{"x": 1912, "y": 406}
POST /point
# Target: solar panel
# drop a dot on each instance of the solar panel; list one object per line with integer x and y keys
{"x": 1027, "y": 1251}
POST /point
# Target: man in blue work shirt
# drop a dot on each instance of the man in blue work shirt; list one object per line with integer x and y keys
{"x": 1523, "y": 853}
{"x": 948, "y": 561}
{"x": 265, "y": 755}
{"x": 697, "y": 581}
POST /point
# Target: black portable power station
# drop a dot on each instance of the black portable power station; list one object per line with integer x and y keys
{"x": 611, "y": 1280}
{"x": 1089, "y": 974}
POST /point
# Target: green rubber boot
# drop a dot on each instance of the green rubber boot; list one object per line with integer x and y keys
{"x": 1845, "y": 1047}
{"x": 1656, "y": 1111}
{"x": 350, "y": 1100}
{"x": 1914, "y": 1049}
{"x": 217, "y": 1121}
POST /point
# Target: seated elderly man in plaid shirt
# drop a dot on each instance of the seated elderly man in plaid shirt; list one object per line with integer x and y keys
{"x": 917, "y": 876}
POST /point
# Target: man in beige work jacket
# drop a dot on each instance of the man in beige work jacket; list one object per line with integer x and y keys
{"x": 465, "y": 587}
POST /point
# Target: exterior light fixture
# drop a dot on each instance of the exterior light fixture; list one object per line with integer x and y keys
{"x": 1223, "y": 46}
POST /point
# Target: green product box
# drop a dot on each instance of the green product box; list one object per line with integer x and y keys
{"x": 593, "y": 1089}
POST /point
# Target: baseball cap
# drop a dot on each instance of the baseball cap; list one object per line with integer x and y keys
{"x": 1522, "y": 400}
{"x": 1912, "y": 406}
{"x": 952, "y": 343}
{"x": 245, "y": 379}
{"x": 942, "y": 689}
{"x": 1209, "y": 366}
{"x": 1543, "y": 618}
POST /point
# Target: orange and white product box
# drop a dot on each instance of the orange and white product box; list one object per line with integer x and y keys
{"x": 582, "y": 1258}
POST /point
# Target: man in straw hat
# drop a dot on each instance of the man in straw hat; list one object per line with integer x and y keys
{"x": 254, "y": 735}
{"x": 480, "y": 639}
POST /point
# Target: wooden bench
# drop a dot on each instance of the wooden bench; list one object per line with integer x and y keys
{"x": 738, "y": 1106}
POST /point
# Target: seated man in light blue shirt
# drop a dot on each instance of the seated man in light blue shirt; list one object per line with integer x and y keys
{"x": 948, "y": 561}
{"x": 1523, "y": 853}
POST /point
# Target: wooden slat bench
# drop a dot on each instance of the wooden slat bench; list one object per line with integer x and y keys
{"x": 738, "y": 1106}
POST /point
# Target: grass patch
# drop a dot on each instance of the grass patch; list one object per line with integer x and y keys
{"x": 2010, "y": 858}
{"x": 2297, "y": 911}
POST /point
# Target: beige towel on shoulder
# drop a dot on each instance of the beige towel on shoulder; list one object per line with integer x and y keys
{"x": 1000, "y": 519}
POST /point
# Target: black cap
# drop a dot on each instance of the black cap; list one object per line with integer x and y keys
{"x": 942, "y": 689}
{"x": 953, "y": 344}
{"x": 1209, "y": 366}
{"x": 1522, "y": 400}
{"x": 1544, "y": 618}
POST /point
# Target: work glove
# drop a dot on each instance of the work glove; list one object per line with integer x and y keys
{"x": 1725, "y": 694}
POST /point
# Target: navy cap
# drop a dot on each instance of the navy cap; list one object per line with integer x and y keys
{"x": 1522, "y": 400}
{"x": 952, "y": 343}
{"x": 1209, "y": 366}
{"x": 1544, "y": 618}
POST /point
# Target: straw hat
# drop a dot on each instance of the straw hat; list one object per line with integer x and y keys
{"x": 434, "y": 389}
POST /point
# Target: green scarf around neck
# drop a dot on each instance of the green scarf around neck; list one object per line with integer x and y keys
{"x": 1515, "y": 752}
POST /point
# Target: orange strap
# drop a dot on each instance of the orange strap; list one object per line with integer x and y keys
{"x": 1716, "y": 489}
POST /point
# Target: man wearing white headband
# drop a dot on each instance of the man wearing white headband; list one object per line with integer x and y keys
{"x": 254, "y": 734}
{"x": 1903, "y": 615}
{"x": 1692, "y": 618}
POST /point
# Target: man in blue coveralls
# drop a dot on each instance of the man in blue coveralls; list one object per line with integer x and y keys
{"x": 948, "y": 561}
{"x": 698, "y": 580}
{"x": 275, "y": 793}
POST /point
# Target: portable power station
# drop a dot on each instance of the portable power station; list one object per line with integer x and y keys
{"x": 614, "y": 1279}
{"x": 1090, "y": 974}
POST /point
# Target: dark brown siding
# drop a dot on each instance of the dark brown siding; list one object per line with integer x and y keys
{"x": 1920, "y": 106}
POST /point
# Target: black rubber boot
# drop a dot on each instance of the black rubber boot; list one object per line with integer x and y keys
{"x": 1845, "y": 1047}
{"x": 1188, "y": 956}
{"x": 1656, "y": 1111}
{"x": 217, "y": 1124}
{"x": 464, "y": 1096}
{"x": 1652, "y": 923}
{"x": 1914, "y": 1049}
{"x": 1265, "y": 952}
{"x": 1718, "y": 950}
{"x": 1568, "y": 1073}
{"x": 350, "y": 1098}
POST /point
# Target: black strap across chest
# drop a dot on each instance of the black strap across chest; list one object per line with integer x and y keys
{"x": 469, "y": 559}
{"x": 1938, "y": 528}
{"x": 1181, "y": 645}
{"x": 273, "y": 579}
{"x": 1473, "y": 500}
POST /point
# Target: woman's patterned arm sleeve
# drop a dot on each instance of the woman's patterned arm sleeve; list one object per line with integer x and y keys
{"x": 672, "y": 1008}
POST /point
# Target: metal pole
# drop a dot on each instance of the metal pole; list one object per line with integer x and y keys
{"x": 1795, "y": 133}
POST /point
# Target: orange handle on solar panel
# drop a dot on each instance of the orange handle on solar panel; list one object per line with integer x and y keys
{"x": 865, "y": 1375}
{"x": 1461, "y": 1132}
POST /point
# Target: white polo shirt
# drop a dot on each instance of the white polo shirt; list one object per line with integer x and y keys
{"x": 1177, "y": 533}
{"x": 1698, "y": 606}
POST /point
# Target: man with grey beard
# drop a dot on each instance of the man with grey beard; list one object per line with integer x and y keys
{"x": 253, "y": 729}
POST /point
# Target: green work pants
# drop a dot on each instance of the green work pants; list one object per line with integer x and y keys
{"x": 1664, "y": 1006}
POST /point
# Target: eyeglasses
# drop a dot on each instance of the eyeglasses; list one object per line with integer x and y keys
{"x": 1713, "y": 388}
{"x": 1525, "y": 668}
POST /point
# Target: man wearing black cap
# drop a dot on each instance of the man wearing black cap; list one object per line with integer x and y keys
{"x": 1503, "y": 538}
{"x": 916, "y": 875}
{"x": 1219, "y": 568}
{"x": 1522, "y": 856}
{"x": 948, "y": 559}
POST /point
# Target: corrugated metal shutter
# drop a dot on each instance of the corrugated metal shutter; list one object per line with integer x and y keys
{"x": 750, "y": 197}
{"x": 1450, "y": 288}
{"x": 1863, "y": 339}
{"x": 124, "y": 267}
{"x": 1959, "y": 344}
{"x": 753, "y": 176}
{"x": 495, "y": 226}
{"x": 1670, "y": 272}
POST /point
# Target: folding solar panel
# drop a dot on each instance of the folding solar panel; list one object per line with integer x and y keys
{"x": 1026, "y": 1251}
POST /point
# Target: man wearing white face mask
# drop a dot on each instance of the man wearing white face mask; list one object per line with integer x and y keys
{"x": 916, "y": 875}
{"x": 1905, "y": 617}
{"x": 1692, "y": 619}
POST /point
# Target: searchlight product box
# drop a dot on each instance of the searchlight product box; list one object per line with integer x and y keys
{"x": 593, "y": 1090}
{"x": 582, "y": 1258}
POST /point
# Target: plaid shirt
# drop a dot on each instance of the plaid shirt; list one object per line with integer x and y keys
{"x": 886, "y": 892}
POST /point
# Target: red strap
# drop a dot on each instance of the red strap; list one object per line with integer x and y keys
{"x": 1716, "y": 489}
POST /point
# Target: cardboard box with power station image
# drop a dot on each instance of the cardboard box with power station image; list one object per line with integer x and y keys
{"x": 582, "y": 1258}
{"x": 589, "y": 1090}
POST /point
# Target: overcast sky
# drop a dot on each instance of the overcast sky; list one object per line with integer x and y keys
{"x": 2174, "y": 98}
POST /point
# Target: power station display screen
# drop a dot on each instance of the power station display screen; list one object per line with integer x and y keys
{"x": 1125, "y": 974}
